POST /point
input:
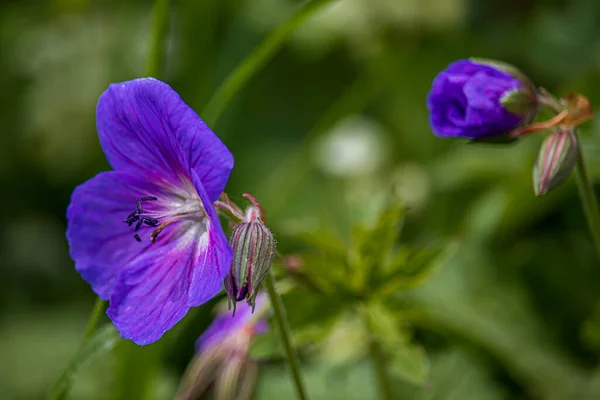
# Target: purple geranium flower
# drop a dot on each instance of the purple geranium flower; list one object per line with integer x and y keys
{"x": 223, "y": 360}
{"x": 465, "y": 101}
{"x": 146, "y": 236}
{"x": 243, "y": 321}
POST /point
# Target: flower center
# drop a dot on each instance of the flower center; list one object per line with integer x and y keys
{"x": 161, "y": 214}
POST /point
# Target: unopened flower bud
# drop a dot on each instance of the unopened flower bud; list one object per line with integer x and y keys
{"x": 555, "y": 161}
{"x": 481, "y": 100}
{"x": 253, "y": 250}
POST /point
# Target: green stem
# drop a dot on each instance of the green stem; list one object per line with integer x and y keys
{"x": 379, "y": 366}
{"x": 286, "y": 337}
{"x": 160, "y": 27}
{"x": 378, "y": 359}
{"x": 588, "y": 197}
{"x": 94, "y": 318}
{"x": 60, "y": 390}
{"x": 257, "y": 59}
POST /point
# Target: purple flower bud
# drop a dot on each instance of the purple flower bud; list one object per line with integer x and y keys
{"x": 480, "y": 99}
{"x": 253, "y": 250}
{"x": 555, "y": 161}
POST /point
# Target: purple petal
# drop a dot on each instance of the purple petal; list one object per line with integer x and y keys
{"x": 143, "y": 124}
{"x": 100, "y": 242}
{"x": 226, "y": 323}
{"x": 207, "y": 276}
{"x": 184, "y": 268}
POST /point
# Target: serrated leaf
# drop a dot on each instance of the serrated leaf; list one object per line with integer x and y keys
{"x": 346, "y": 344}
{"x": 104, "y": 340}
{"x": 373, "y": 244}
{"x": 404, "y": 359}
{"x": 410, "y": 363}
{"x": 328, "y": 273}
{"x": 321, "y": 239}
{"x": 410, "y": 267}
{"x": 312, "y": 318}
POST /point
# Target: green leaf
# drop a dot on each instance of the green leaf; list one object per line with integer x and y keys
{"x": 312, "y": 316}
{"x": 411, "y": 267}
{"x": 328, "y": 273}
{"x": 321, "y": 239}
{"x": 267, "y": 346}
{"x": 410, "y": 363}
{"x": 353, "y": 382}
{"x": 405, "y": 360}
{"x": 346, "y": 344}
{"x": 104, "y": 340}
{"x": 373, "y": 244}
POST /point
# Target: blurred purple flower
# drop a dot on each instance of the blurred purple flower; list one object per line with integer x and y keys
{"x": 465, "y": 101}
{"x": 223, "y": 360}
{"x": 243, "y": 321}
{"x": 170, "y": 252}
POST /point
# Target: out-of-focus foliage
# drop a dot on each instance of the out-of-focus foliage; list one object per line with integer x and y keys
{"x": 331, "y": 128}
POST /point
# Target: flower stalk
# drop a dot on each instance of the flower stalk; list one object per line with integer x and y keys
{"x": 379, "y": 367}
{"x": 60, "y": 390}
{"x": 588, "y": 197}
{"x": 286, "y": 337}
{"x": 94, "y": 318}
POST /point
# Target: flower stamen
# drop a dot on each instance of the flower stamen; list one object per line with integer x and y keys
{"x": 157, "y": 231}
{"x": 136, "y": 216}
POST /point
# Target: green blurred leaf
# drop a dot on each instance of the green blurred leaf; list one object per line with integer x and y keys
{"x": 405, "y": 360}
{"x": 104, "y": 340}
{"x": 312, "y": 316}
{"x": 372, "y": 245}
{"x": 410, "y": 363}
{"x": 321, "y": 239}
{"x": 354, "y": 382}
{"x": 267, "y": 346}
{"x": 346, "y": 344}
{"x": 411, "y": 267}
{"x": 328, "y": 273}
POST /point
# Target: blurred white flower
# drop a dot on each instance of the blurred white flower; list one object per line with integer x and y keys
{"x": 356, "y": 147}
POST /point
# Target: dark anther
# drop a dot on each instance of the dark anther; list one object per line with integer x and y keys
{"x": 130, "y": 216}
{"x": 150, "y": 221}
{"x": 131, "y": 220}
{"x": 136, "y": 216}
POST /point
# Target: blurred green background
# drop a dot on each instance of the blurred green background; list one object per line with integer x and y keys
{"x": 333, "y": 122}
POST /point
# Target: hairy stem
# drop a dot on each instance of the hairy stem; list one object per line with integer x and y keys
{"x": 286, "y": 337}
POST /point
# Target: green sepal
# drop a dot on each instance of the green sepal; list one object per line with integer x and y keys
{"x": 519, "y": 102}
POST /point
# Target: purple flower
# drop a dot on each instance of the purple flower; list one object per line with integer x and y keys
{"x": 465, "y": 101}
{"x": 244, "y": 321}
{"x": 223, "y": 360}
{"x": 146, "y": 236}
